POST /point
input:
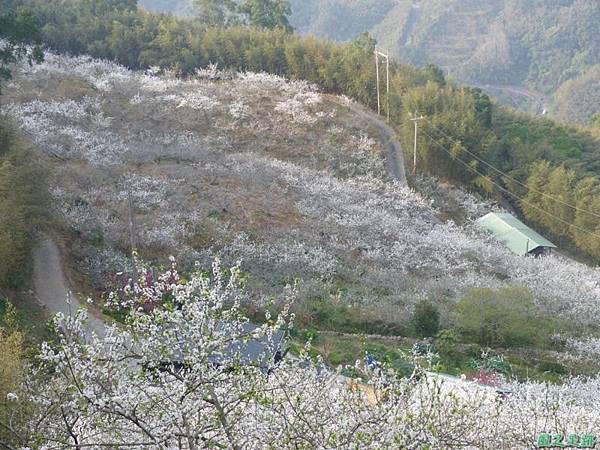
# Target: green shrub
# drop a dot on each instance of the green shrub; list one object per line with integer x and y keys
{"x": 334, "y": 315}
{"x": 343, "y": 353}
{"x": 426, "y": 319}
{"x": 552, "y": 367}
{"x": 447, "y": 342}
{"x": 504, "y": 317}
{"x": 491, "y": 363}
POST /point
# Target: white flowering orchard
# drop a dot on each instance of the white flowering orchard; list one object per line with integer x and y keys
{"x": 152, "y": 383}
{"x": 256, "y": 168}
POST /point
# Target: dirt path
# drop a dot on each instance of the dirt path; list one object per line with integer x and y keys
{"x": 50, "y": 286}
{"x": 395, "y": 154}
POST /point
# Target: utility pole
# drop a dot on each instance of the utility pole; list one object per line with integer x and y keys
{"x": 377, "y": 71}
{"x": 131, "y": 222}
{"x": 132, "y": 236}
{"x": 387, "y": 81}
{"x": 387, "y": 78}
{"x": 415, "y": 120}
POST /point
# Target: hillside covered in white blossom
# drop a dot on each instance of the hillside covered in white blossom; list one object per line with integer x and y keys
{"x": 290, "y": 187}
{"x": 253, "y": 168}
{"x": 220, "y": 233}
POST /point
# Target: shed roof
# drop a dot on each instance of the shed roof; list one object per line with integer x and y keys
{"x": 517, "y": 236}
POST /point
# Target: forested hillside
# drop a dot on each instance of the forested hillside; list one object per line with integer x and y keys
{"x": 539, "y": 44}
{"x": 548, "y": 47}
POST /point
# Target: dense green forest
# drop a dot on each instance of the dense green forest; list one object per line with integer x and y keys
{"x": 465, "y": 138}
{"x": 22, "y": 207}
{"x": 23, "y": 193}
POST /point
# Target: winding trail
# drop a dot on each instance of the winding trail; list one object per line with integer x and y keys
{"x": 50, "y": 286}
{"x": 394, "y": 152}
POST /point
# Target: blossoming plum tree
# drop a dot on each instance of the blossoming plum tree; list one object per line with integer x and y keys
{"x": 152, "y": 383}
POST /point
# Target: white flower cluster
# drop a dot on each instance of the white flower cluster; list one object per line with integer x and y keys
{"x": 198, "y": 102}
{"x": 102, "y": 74}
{"x": 454, "y": 200}
{"x": 589, "y": 348}
{"x": 280, "y": 257}
{"x": 210, "y": 72}
{"x": 299, "y": 107}
{"x": 366, "y": 159}
{"x": 266, "y": 81}
{"x": 151, "y": 83}
{"x": 239, "y": 110}
{"x": 70, "y": 129}
{"x": 144, "y": 191}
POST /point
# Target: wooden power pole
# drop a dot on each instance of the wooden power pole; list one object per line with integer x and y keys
{"x": 387, "y": 81}
{"x": 415, "y": 120}
{"x": 131, "y": 222}
{"x": 131, "y": 208}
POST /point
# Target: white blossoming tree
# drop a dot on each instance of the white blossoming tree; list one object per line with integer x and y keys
{"x": 175, "y": 376}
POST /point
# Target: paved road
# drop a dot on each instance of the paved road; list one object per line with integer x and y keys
{"x": 50, "y": 286}
{"x": 395, "y": 154}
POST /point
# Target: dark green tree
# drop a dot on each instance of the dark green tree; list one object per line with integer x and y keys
{"x": 214, "y": 13}
{"x": 536, "y": 184}
{"x": 426, "y": 319}
{"x": 268, "y": 13}
{"x": 20, "y": 31}
{"x": 503, "y": 317}
{"x": 435, "y": 74}
{"x": 586, "y": 224}
{"x": 559, "y": 190}
{"x": 483, "y": 106}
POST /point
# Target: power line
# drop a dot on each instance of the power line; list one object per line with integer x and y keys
{"x": 507, "y": 191}
{"x": 505, "y": 175}
{"x": 574, "y": 207}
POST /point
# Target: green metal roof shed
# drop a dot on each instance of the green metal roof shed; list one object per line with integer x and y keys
{"x": 517, "y": 236}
